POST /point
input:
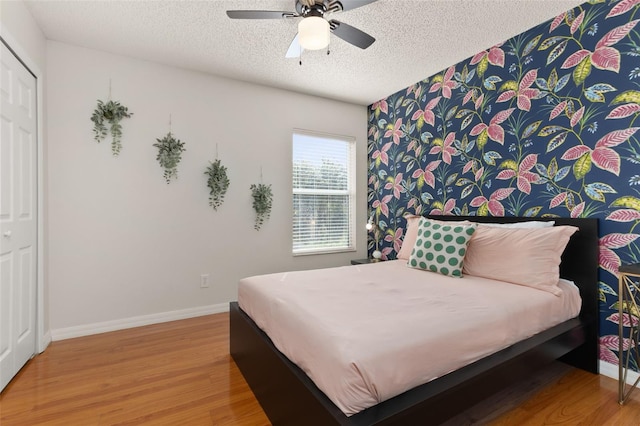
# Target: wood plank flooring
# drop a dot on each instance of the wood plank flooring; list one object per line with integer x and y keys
{"x": 180, "y": 373}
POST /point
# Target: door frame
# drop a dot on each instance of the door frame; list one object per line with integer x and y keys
{"x": 43, "y": 336}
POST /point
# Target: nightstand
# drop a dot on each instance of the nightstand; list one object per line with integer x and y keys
{"x": 364, "y": 261}
{"x": 628, "y": 301}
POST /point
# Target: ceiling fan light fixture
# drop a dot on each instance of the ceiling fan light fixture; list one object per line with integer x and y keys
{"x": 313, "y": 33}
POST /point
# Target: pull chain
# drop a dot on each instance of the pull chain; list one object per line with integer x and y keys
{"x": 109, "y": 88}
{"x": 216, "y": 150}
{"x": 169, "y": 123}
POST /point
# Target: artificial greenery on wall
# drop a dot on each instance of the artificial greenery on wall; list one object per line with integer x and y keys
{"x": 111, "y": 113}
{"x": 262, "y": 202}
{"x": 170, "y": 152}
{"x": 218, "y": 183}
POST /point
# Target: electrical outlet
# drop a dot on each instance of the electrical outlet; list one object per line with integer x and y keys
{"x": 204, "y": 281}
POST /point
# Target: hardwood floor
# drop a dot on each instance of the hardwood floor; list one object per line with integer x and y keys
{"x": 177, "y": 373}
{"x": 180, "y": 373}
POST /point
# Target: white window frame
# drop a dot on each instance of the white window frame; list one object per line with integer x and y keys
{"x": 350, "y": 191}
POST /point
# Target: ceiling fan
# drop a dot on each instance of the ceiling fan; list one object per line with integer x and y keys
{"x": 314, "y": 28}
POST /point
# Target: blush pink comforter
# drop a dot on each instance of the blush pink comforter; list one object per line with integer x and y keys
{"x": 367, "y": 333}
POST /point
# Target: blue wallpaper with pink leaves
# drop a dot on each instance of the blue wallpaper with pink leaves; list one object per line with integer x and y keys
{"x": 542, "y": 125}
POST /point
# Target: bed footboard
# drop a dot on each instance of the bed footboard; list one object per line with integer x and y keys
{"x": 284, "y": 391}
{"x": 289, "y": 397}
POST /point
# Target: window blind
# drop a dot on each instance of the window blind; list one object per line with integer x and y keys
{"x": 323, "y": 196}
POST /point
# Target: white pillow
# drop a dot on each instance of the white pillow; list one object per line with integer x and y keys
{"x": 530, "y": 224}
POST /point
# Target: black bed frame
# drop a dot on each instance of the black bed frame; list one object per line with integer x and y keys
{"x": 289, "y": 397}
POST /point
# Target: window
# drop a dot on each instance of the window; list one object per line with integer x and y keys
{"x": 323, "y": 193}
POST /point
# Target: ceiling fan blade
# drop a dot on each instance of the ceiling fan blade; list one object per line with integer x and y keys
{"x": 351, "y": 34}
{"x": 294, "y": 48}
{"x": 352, "y": 4}
{"x": 260, "y": 14}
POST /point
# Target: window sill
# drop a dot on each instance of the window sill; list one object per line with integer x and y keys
{"x": 328, "y": 251}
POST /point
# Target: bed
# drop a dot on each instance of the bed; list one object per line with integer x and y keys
{"x": 289, "y": 396}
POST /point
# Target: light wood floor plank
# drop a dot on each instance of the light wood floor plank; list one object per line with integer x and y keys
{"x": 180, "y": 373}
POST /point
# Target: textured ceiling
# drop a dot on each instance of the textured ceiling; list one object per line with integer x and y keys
{"x": 414, "y": 39}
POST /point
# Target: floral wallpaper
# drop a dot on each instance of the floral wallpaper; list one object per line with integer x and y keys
{"x": 544, "y": 124}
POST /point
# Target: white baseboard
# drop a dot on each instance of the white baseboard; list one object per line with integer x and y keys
{"x": 121, "y": 324}
{"x": 44, "y": 342}
{"x": 611, "y": 370}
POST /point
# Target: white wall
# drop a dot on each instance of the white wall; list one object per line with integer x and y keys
{"x": 17, "y": 22}
{"x": 125, "y": 244}
{"x": 22, "y": 34}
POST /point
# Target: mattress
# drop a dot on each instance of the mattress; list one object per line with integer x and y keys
{"x": 367, "y": 333}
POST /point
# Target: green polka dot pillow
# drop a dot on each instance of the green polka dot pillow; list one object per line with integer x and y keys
{"x": 441, "y": 247}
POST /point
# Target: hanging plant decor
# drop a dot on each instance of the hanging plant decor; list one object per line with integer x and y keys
{"x": 111, "y": 113}
{"x": 218, "y": 183}
{"x": 170, "y": 152}
{"x": 262, "y": 201}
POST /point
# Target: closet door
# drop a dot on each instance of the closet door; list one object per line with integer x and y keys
{"x": 18, "y": 215}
